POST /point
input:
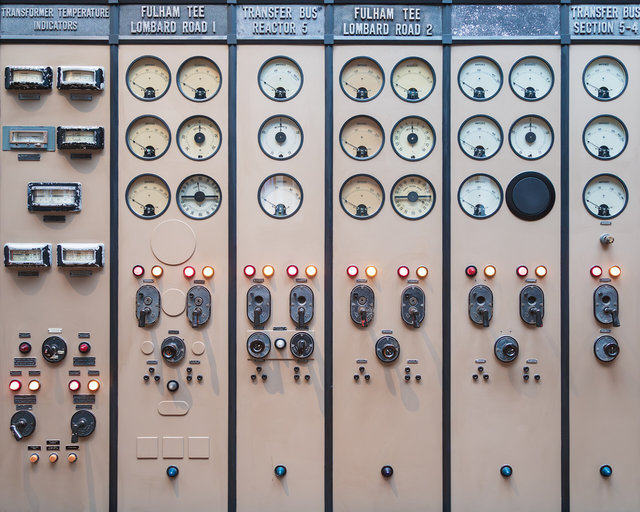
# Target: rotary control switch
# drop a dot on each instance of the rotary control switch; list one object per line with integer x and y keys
{"x": 147, "y": 305}
{"x": 258, "y": 305}
{"x": 301, "y": 345}
{"x": 83, "y": 423}
{"x": 301, "y": 305}
{"x": 532, "y": 305}
{"x": 605, "y": 305}
{"x": 259, "y": 345}
{"x": 198, "y": 306}
{"x": 54, "y": 349}
{"x": 506, "y": 349}
{"x": 387, "y": 349}
{"x": 606, "y": 348}
{"x": 173, "y": 349}
{"x": 481, "y": 305}
{"x": 23, "y": 424}
{"x": 413, "y": 308}
{"x": 362, "y": 303}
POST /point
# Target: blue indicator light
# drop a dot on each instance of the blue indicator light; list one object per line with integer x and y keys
{"x": 506, "y": 471}
{"x": 172, "y": 471}
{"x": 606, "y": 471}
{"x": 280, "y": 470}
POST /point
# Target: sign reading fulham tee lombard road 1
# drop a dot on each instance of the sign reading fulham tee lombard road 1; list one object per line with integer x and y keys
{"x": 19, "y": 21}
{"x": 280, "y": 22}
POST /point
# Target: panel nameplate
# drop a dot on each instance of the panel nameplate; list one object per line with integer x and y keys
{"x": 604, "y": 22}
{"x": 280, "y": 22}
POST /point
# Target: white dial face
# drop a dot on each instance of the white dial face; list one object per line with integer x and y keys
{"x": 605, "y": 137}
{"x": 480, "y": 78}
{"x": 480, "y": 196}
{"x": 280, "y": 137}
{"x": 27, "y": 76}
{"x": 199, "y": 138}
{"x": 53, "y": 196}
{"x": 531, "y": 78}
{"x": 79, "y": 76}
{"x": 79, "y": 136}
{"x": 148, "y": 137}
{"x": 605, "y": 196}
{"x": 361, "y": 137}
{"x": 148, "y": 196}
{"x": 280, "y": 79}
{"x": 280, "y": 196}
{"x": 531, "y": 137}
{"x": 199, "y": 196}
{"x": 361, "y": 196}
{"x": 84, "y": 256}
{"x": 605, "y": 78}
{"x": 480, "y": 137}
{"x": 361, "y": 79}
{"x": 412, "y": 79}
{"x": 148, "y": 78}
{"x": 28, "y": 137}
{"x": 412, "y": 197}
{"x": 25, "y": 255}
{"x": 199, "y": 79}
{"x": 413, "y": 138}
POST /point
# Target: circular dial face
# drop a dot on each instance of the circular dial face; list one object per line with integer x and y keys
{"x": 413, "y": 197}
{"x": 148, "y": 78}
{"x": 531, "y": 137}
{"x": 605, "y": 137}
{"x": 413, "y": 138}
{"x": 361, "y": 137}
{"x": 148, "y": 137}
{"x": 280, "y": 137}
{"x": 362, "y": 79}
{"x": 199, "y": 79}
{"x": 605, "y": 78}
{"x": 480, "y": 196}
{"x": 198, "y": 196}
{"x": 531, "y": 78}
{"x": 413, "y": 79}
{"x": 280, "y": 196}
{"x": 480, "y": 78}
{"x": 148, "y": 196}
{"x": 361, "y": 196}
{"x": 280, "y": 78}
{"x": 480, "y": 137}
{"x": 605, "y": 196}
{"x": 199, "y": 137}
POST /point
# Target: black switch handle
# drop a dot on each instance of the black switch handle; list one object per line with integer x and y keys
{"x": 301, "y": 311}
{"x": 614, "y": 315}
{"x": 143, "y": 317}
{"x": 485, "y": 316}
{"x": 257, "y": 311}
{"x": 413, "y": 311}
{"x": 538, "y": 314}
{"x": 195, "y": 317}
{"x": 363, "y": 316}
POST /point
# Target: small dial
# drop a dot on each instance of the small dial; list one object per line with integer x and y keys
{"x": 605, "y": 196}
{"x": 413, "y": 197}
{"x": 413, "y": 79}
{"x": 413, "y": 138}
{"x": 480, "y": 196}
{"x": 198, "y": 196}
{"x": 605, "y": 137}
{"x": 280, "y": 196}
{"x": 148, "y": 137}
{"x": 531, "y": 78}
{"x": 280, "y": 137}
{"x": 480, "y": 137}
{"x": 605, "y": 78}
{"x": 148, "y": 196}
{"x": 531, "y": 137}
{"x": 280, "y": 78}
{"x": 361, "y": 79}
{"x": 199, "y": 138}
{"x": 480, "y": 78}
{"x": 148, "y": 78}
{"x": 199, "y": 79}
{"x": 361, "y": 196}
{"x": 361, "y": 137}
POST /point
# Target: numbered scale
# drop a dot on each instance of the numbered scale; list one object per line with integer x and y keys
{"x": 605, "y": 78}
{"x": 148, "y": 137}
{"x": 480, "y": 78}
{"x": 280, "y": 78}
{"x": 362, "y": 79}
{"x": 605, "y": 137}
{"x": 531, "y": 78}
{"x": 28, "y": 77}
{"x": 531, "y": 137}
{"x": 413, "y": 79}
{"x": 605, "y": 196}
{"x": 361, "y": 137}
{"x": 413, "y": 197}
{"x": 199, "y": 196}
{"x": 480, "y": 196}
{"x": 148, "y": 78}
{"x": 280, "y": 137}
{"x": 199, "y": 79}
{"x": 480, "y": 137}
{"x": 81, "y": 78}
{"x": 199, "y": 138}
{"x": 413, "y": 138}
{"x": 280, "y": 196}
{"x": 148, "y": 196}
{"x": 361, "y": 196}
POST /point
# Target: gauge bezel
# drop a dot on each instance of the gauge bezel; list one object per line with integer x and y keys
{"x": 180, "y": 145}
{"x": 626, "y": 133}
{"x": 492, "y": 120}
{"x": 553, "y": 77}
{"x": 624, "y": 68}
{"x": 609, "y": 175}
{"x": 126, "y": 195}
{"x": 433, "y": 73}
{"x": 509, "y": 195}
{"x": 361, "y": 100}
{"x": 290, "y": 60}
{"x": 355, "y": 157}
{"x": 391, "y": 194}
{"x": 178, "y": 196}
{"x": 492, "y": 178}
{"x": 301, "y": 137}
{"x": 126, "y": 135}
{"x": 550, "y": 129}
{"x": 288, "y": 216}
{"x": 433, "y": 146}
{"x": 126, "y": 77}
{"x": 358, "y": 176}
{"x": 180, "y": 85}
{"x": 499, "y": 69}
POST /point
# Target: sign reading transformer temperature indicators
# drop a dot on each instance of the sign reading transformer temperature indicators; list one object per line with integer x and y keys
{"x": 80, "y": 255}
{"x": 28, "y": 137}
{"x": 54, "y": 197}
{"x": 27, "y": 255}
{"x": 80, "y": 137}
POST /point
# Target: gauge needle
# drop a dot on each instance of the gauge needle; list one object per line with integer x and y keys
{"x": 398, "y": 85}
{"x": 518, "y": 85}
{"x": 352, "y": 86}
{"x": 470, "y": 204}
{"x": 594, "y": 145}
{"x": 349, "y": 202}
{"x": 194, "y": 196}
{"x": 143, "y": 147}
{"x": 407, "y": 197}
{"x": 192, "y": 88}
{"x": 594, "y": 204}
{"x": 143, "y": 88}
{"x": 265, "y": 199}
{"x": 269, "y": 85}
{"x": 591, "y": 85}
{"x": 349, "y": 143}
{"x": 465, "y": 142}
{"x": 469, "y": 86}
{"x": 132, "y": 199}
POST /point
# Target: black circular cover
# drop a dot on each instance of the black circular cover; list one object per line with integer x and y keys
{"x": 530, "y": 195}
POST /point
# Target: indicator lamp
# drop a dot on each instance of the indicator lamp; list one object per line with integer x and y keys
{"x": 522, "y": 271}
{"x": 268, "y": 271}
{"x": 506, "y": 471}
{"x": 371, "y": 271}
{"x": 74, "y": 385}
{"x": 24, "y": 347}
{"x": 15, "y": 385}
{"x": 138, "y": 270}
{"x": 615, "y": 271}
{"x": 249, "y": 271}
{"x": 33, "y": 458}
{"x": 489, "y": 271}
{"x": 403, "y": 271}
{"x": 189, "y": 272}
{"x": 156, "y": 271}
{"x": 280, "y": 470}
{"x": 422, "y": 271}
{"x": 84, "y": 347}
{"x": 93, "y": 385}
{"x": 207, "y": 272}
{"x": 53, "y": 457}
{"x": 595, "y": 271}
{"x": 292, "y": 271}
{"x": 172, "y": 471}
{"x": 34, "y": 385}
{"x": 471, "y": 271}
{"x": 541, "y": 271}
{"x": 606, "y": 471}
{"x": 280, "y": 343}
{"x": 311, "y": 271}
{"x": 386, "y": 471}
{"x": 352, "y": 271}
{"x": 72, "y": 457}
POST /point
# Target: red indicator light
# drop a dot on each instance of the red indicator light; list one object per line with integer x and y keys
{"x": 352, "y": 271}
{"x": 15, "y": 385}
{"x": 138, "y": 271}
{"x": 292, "y": 271}
{"x": 189, "y": 272}
{"x": 24, "y": 347}
{"x": 596, "y": 271}
{"x": 74, "y": 385}
{"x": 84, "y": 347}
{"x": 249, "y": 271}
{"x": 471, "y": 271}
{"x": 522, "y": 271}
{"x": 403, "y": 271}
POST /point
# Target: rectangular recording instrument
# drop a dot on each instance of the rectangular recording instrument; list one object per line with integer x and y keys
{"x": 80, "y": 255}
{"x": 54, "y": 197}
{"x": 28, "y": 137}
{"x": 80, "y": 137}
{"x": 28, "y": 77}
{"x": 85, "y": 78}
{"x": 27, "y": 255}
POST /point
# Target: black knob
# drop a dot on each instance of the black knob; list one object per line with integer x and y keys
{"x": 281, "y": 137}
{"x": 412, "y": 138}
{"x": 199, "y": 138}
{"x": 386, "y": 471}
{"x": 173, "y": 386}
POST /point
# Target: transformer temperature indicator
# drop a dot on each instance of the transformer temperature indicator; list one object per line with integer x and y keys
{"x": 28, "y": 77}
{"x": 54, "y": 197}
{"x": 27, "y": 255}
{"x": 28, "y": 137}
{"x": 80, "y": 137}
{"x": 80, "y": 255}
{"x": 81, "y": 78}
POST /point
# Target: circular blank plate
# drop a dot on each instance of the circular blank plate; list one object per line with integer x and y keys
{"x": 173, "y": 242}
{"x": 530, "y": 196}
{"x": 174, "y": 302}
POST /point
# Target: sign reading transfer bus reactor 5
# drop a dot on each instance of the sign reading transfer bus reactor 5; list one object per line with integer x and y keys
{"x": 280, "y": 22}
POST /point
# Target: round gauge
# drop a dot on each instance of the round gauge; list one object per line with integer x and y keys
{"x": 480, "y": 78}
{"x": 280, "y": 196}
{"x": 361, "y": 196}
{"x": 480, "y": 137}
{"x": 531, "y": 78}
{"x": 361, "y": 79}
{"x": 605, "y": 196}
{"x": 148, "y": 78}
{"x": 605, "y": 78}
{"x": 280, "y": 137}
{"x": 148, "y": 137}
{"x": 531, "y": 137}
{"x": 480, "y": 196}
{"x": 605, "y": 137}
{"x": 361, "y": 137}
{"x": 148, "y": 196}
{"x": 413, "y": 138}
{"x": 199, "y": 79}
{"x": 199, "y": 137}
{"x": 198, "y": 196}
{"x": 413, "y": 79}
{"x": 280, "y": 78}
{"x": 413, "y": 197}
{"x": 530, "y": 195}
